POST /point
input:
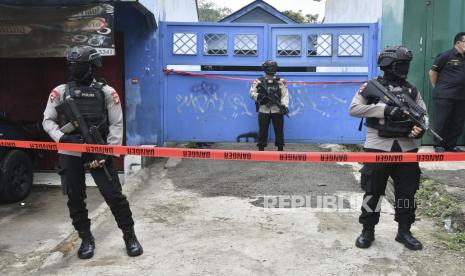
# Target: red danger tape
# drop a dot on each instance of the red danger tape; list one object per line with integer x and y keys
{"x": 187, "y": 73}
{"x": 328, "y": 157}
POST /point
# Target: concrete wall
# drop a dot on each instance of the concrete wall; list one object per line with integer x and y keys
{"x": 178, "y": 10}
{"x": 390, "y": 14}
{"x": 392, "y": 22}
{"x": 353, "y": 11}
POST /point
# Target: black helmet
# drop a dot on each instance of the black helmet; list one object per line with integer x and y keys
{"x": 391, "y": 54}
{"x": 84, "y": 54}
{"x": 270, "y": 67}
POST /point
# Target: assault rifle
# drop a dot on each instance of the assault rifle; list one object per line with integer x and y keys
{"x": 91, "y": 135}
{"x": 274, "y": 100}
{"x": 409, "y": 107}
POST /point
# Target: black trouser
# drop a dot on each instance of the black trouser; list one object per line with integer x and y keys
{"x": 449, "y": 121}
{"x": 278, "y": 125}
{"x": 374, "y": 178}
{"x": 73, "y": 180}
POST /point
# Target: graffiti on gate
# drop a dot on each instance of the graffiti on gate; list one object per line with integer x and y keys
{"x": 303, "y": 99}
{"x": 208, "y": 100}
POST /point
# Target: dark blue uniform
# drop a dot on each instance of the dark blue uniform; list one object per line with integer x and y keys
{"x": 449, "y": 97}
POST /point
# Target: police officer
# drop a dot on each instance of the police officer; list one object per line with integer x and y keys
{"x": 100, "y": 105}
{"x": 389, "y": 130}
{"x": 447, "y": 76}
{"x": 272, "y": 100}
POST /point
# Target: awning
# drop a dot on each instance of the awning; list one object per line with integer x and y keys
{"x": 151, "y": 21}
{"x": 52, "y": 2}
{"x": 48, "y": 29}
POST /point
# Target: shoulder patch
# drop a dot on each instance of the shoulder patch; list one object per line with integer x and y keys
{"x": 53, "y": 95}
{"x": 362, "y": 88}
{"x": 115, "y": 96}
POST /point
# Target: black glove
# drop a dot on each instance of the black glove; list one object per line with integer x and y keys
{"x": 394, "y": 113}
{"x": 71, "y": 138}
{"x": 262, "y": 99}
{"x": 284, "y": 110}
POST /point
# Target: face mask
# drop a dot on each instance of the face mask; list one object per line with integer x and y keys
{"x": 401, "y": 69}
{"x": 80, "y": 71}
{"x": 270, "y": 70}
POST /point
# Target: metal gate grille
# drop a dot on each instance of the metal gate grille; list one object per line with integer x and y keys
{"x": 219, "y": 109}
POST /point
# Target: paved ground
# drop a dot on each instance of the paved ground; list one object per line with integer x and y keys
{"x": 207, "y": 218}
{"x": 30, "y": 229}
{"x": 53, "y": 179}
{"x": 450, "y": 174}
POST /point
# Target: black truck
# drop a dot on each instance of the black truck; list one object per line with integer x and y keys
{"x": 16, "y": 165}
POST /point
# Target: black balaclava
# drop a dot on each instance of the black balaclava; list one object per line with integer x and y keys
{"x": 81, "y": 73}
{"x": 270, "y": 67}
{"x": 271, "y": 70}
{"x": 396, "y": 72}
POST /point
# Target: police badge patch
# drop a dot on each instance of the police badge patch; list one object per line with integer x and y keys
{"x": 362, "y": 88}
{"x": 53, "y": 96}
{"x": 115, "y": 97}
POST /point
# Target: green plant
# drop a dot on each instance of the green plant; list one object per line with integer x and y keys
{"x": 455, "y": 241}
{"x": 191, "y": 145}
{"x": 353, "y": 147}
{"x": 433, "y": 201}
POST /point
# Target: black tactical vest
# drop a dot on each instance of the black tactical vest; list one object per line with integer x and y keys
{"x": 394, "y": 129}
{"x": 271, "y": 89}
{"x": 91, "y": 103}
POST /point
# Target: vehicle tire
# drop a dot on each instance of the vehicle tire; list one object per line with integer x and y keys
{"x": 15, "y": 176}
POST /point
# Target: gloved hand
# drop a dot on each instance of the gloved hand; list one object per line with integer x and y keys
{"x": 284, "y": 110}
{"x": 394, "y": 113}
{"x": 262, "y": 99}
{"x": 72, "y": 138}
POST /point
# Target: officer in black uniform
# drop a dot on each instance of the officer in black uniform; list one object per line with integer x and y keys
{"x": 271, "y": 96}
{"x": 447, "y": 76}
{"x": 389, "y": 130}
{"x": 100, "y": 106}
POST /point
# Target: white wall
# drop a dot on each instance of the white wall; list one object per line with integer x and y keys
{"x": 353, "y": 11}
{"x": 176, "y": 10}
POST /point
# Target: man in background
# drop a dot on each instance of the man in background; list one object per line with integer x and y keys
{"x": 447, "y": 77}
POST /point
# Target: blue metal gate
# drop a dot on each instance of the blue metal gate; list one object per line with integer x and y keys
{"x": 217, "y": 108}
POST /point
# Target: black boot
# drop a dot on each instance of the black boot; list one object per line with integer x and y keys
{"x": 133, "y": 247}
{"x": 86, "y": 250}
{"x": 261, "y": 148}
{"x": 280, "y": 148}
{"x": 366, "y": 237}
{"x": 405, "y": 237}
